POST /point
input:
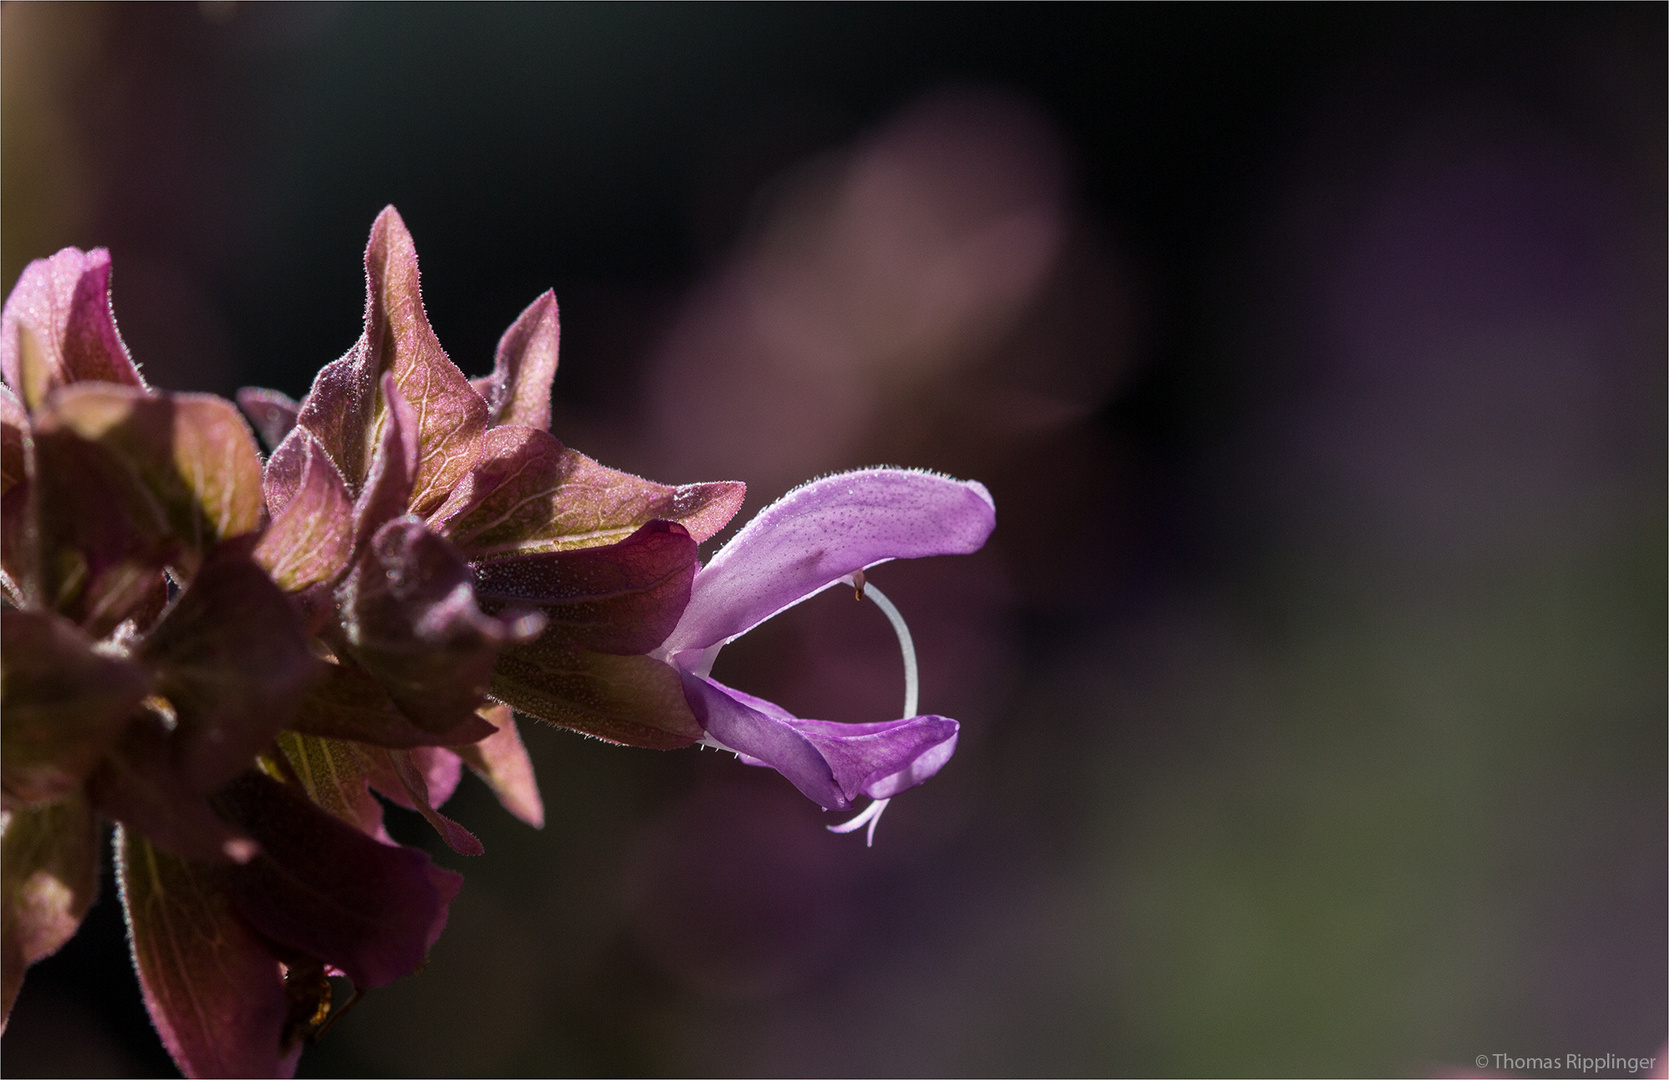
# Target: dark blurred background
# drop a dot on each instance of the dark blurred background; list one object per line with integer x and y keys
{"x": 1313, "y": 684}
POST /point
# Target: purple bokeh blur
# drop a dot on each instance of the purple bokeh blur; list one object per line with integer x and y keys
{"x": 1312, "y": 686}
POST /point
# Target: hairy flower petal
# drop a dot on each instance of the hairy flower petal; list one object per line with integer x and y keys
{"x": 388, "y": 484}
{"x": 336, "y": 775}
{"x": 272, "y": 413}
{"x": 875, "y": 759}
{"x": 19, "y": 532}
{"x": 232, "y": 657}
{"x": 633, "y": 700}
{"x": 528, "y": 493}
{"x": 16, "y": 445}
{"x": 139, "y": 784}
{"x": 20, "y": 583}
{"x": 348, "y": 703}
{"x": 450, "y": 414}
{"x": 344, "y": 409}
{"x": 62, "y": 704}
{"x": 878, "y": 759}
{"x": 49, "y": 876}
{"x": 620, "y": 598}
{"x": 57, "y": 327}
{"x": 281, "y": 478}
{"x": 821, "y": 532}
{"x": 412, "y": 621}
{"x": 339, "y": 775}
{"x": 765, "y": 739}
{"x": 212, "y": 988}
{"x": 324, "y": 888}
{"x": 340, "y": 410}
{"x": 519, "y": 389}
{"x": 104, "y": 537}
{"x": 421, "y": 779}
{"x": 310, "y": 541}
{"x": 501, "y": 761}
{"x": 193, "y": 452}
{"x": 414, "y": 769}
{"x": 441, "y": 769}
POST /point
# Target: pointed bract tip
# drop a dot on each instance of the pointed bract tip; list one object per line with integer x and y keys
{"x": 388, "y": 218}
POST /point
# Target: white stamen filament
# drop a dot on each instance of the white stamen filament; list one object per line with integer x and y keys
{"x": 912, "y": 687}
{"x": 870, "y": 813}
{"x": 912, "y": 681}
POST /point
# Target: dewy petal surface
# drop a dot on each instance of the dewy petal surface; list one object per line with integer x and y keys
{"x": 57, "y": 327}
{"x": 820, "y": 532}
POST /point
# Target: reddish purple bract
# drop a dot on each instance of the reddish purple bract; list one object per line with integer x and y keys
{"x": 227, "y": 657}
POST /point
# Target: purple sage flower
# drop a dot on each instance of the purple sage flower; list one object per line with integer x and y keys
{"x": 818, "y": 535}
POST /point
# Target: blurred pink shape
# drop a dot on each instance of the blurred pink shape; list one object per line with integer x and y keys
{"x": 880, "y": 272}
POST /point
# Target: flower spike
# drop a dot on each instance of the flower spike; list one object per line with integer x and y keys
{"x": 237, "y": 659}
